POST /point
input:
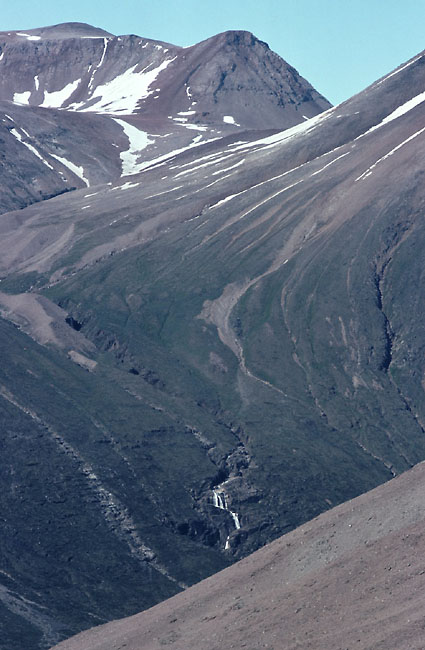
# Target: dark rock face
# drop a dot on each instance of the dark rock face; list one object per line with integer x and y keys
{"x": 214, "y": 344}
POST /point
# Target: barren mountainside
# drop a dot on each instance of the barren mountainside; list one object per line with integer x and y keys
{"x": 211, "y": 299}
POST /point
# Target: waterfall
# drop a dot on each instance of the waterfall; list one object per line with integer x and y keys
{"x": 219, "y": 501}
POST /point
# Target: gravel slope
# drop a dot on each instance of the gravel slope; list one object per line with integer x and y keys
{"x": 351, "y": 578}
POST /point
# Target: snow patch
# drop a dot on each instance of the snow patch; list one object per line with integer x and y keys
{"x": 22, "y": 98}
{"x": 78, "y": 171}
{"x": 123, "y": 93}
{"x": 57, "y": 98}
{"x": 29, "y": 37}
{"x": 127, "y": 186}
{"x": 2, "y": 56}
{"x": 36, "y": 82}
{"x": 195, "y": 127}
{"x": 229, "y": 119}
{"x": 138, "y": 140}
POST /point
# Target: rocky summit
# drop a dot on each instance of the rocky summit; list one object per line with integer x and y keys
{"x": 211, "y": 299}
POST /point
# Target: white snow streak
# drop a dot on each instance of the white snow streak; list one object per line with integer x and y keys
{"x": 125, "y": 186}
{"x": 138, "y": 140}
{"x": 398, "y": 112}
{"x": 399, "y": 70}
{"x": 228, "y": 198}
{"x": 57, "y": 98}
{"x": 105, "y": 45}
{"x": 298, "y": 129}
{"x": 269, "y": 198}
{"x": 78, "y": 171}
{"x": 368, "y": 171}
{"x": 30, "y": 147}
{"x": 211, "y": 162}
{"x": 37, "y": 82}
{"x": 156, "y": 162}
{"x": 221, "y": 171}
{"x": 173, "y": 189}
{"x": 102, "y": 58}
{"x": 1, "y": 55}
{"x": 319, "y": 171}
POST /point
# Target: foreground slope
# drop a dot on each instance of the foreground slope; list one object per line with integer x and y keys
{"x": 352, "y": 578}
{"x": 205, "y": 354}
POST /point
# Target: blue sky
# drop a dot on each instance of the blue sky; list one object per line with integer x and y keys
{"x": 340, "y": 46}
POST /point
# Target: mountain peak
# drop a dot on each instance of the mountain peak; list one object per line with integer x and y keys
{"x": 61, "y": 31}
{"x": 236, "y": 37}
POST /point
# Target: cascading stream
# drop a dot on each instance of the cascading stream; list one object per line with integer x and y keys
{"x": 219, "y": 500}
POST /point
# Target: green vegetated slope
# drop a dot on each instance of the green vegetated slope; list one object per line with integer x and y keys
{"x": 92, "y": 480}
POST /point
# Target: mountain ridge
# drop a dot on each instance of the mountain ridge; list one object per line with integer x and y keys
{"x": 67, "y": 86}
